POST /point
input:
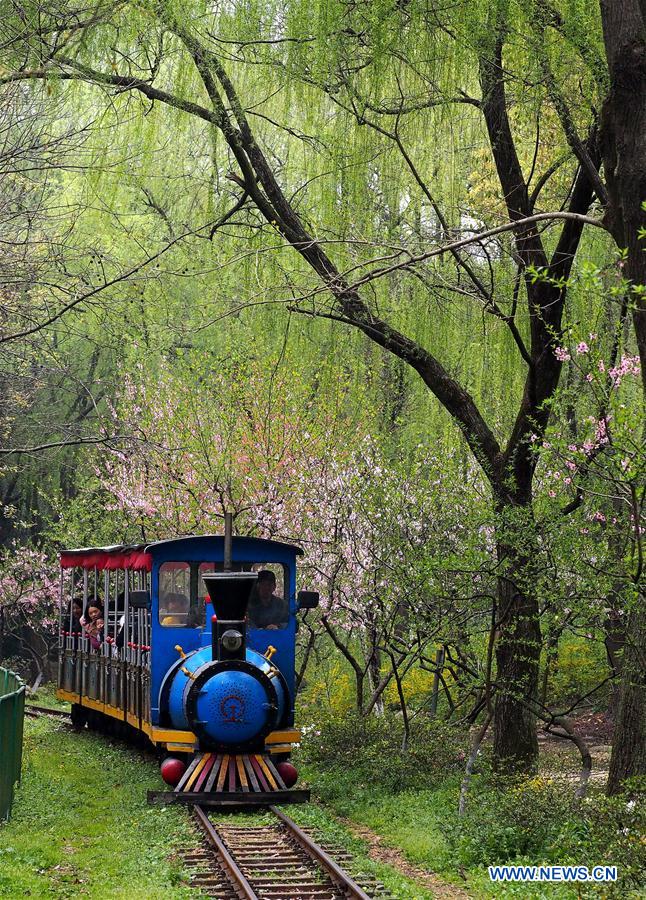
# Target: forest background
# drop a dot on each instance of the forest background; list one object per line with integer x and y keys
{"x": 370, "y": 277}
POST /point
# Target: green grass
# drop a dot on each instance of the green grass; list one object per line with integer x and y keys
{"x": 46, "y": 696}
{"x": 412, "y": 821}
{"x": 81, "y": 826}
{"x": 332, "y": 833}
{"x": 419, "y": 823}
{"x": 416, "y": 822}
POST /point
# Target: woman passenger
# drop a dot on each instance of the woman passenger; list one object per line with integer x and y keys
{"x": 92, "y": 623}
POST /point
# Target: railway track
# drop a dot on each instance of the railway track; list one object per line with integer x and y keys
{"x": 36, "y": 711}
{"x": 276, "y": 861}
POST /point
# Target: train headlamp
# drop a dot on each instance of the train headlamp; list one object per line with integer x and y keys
{"x": 231, "y": 640}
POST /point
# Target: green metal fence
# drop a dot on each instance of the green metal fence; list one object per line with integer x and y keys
{"x": 12, "y": 714}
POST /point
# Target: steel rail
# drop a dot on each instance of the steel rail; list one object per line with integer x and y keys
{"x": 341, "y": 879}
{"x": 32, "y": 710}
{"x": 238, "y": 880}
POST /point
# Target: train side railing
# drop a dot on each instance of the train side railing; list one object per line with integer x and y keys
{"x": 12, "y": 716}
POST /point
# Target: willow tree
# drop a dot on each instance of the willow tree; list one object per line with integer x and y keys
{"x": 524, "y": 80}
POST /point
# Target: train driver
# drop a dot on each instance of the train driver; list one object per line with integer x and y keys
{"x": 266, "y": 609}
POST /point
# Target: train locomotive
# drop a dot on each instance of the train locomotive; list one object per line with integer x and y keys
{"x": 194, "y": 652}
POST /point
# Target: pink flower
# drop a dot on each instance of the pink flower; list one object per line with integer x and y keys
{"x": 562, "y": 354}
{"x": 629, "y": 365}
{"x": 601, "y": 432}
{"x": 582, "y": 347}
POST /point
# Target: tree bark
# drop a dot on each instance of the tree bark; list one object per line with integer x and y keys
{"x": 628, "y": 759}
{"x": 623, "y": 138}
{"x": 518, "y": 648}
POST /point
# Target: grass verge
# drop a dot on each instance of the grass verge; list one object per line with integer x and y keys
{"x": 81, "y": 826}
{"x": 528, "y": 826}
{"x": 46, "y": 696}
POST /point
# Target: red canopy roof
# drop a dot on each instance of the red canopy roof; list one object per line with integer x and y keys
{"x": 107, "y": 558}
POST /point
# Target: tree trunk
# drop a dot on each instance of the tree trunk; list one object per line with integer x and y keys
{"x": 374, "y": 668}
{"x": 518, "y": 648}
{"x": 628, "y": 759}
{"x": 623, "y": 137}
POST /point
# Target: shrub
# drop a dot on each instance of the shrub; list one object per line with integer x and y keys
{"x": 537, "y": 821}
{"x": 330, "y": 686}
{"x": 511, "y": 818}
{"x": 614, "y": 829}
{"x": 371, "y": 749}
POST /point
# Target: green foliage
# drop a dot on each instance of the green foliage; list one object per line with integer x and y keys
{"x": 507, "y": 820}
{"x": 86, "y": 520}
{"x": 613, "y": 834}
{"x": 329, "y": 687}
{"x": 369, "y": 750}
{"x": 581, "y": 665}
{"x": 538, "y": 822}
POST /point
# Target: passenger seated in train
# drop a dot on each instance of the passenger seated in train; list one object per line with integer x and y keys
{"x": 92, "y": 623}
{"x": 266, "y": 609}
{"x": 74, "y": 617}
{"x": 174, "y": 610}
{"x": 72, "y": 621}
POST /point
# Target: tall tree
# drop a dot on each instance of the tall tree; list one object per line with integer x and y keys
{"x": 624, "y": 156}
{"x": 68, "y": 45}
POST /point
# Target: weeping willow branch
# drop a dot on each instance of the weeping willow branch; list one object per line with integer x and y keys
{"x": 123, "y": 276}
{"x": 259, "y": 181}
{"x": 68, "y": 442}
{"x": 543, "y": 16}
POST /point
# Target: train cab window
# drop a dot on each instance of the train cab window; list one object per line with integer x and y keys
{"x": 174, "y": 594}
{"x": 268, "y": 606}
{"x": 268, "y": 609}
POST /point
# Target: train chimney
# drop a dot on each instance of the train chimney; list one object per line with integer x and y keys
{"x": 229, "y": 593}
{"x": 228, "y": 541}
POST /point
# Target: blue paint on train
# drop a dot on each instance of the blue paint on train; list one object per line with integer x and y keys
{"x": 246, "y": 552}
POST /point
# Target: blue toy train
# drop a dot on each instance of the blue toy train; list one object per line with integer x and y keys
{"x": 189, "y": 643}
